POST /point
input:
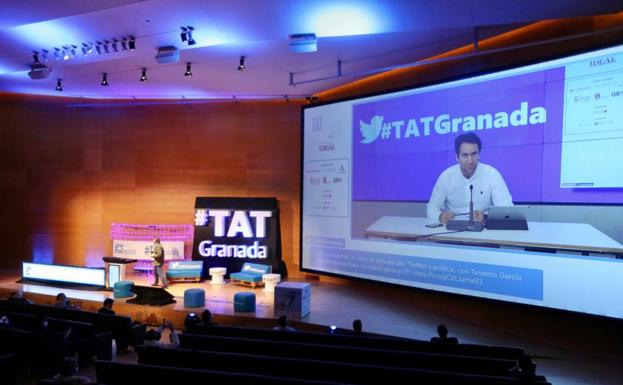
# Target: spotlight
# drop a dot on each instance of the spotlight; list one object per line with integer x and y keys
{"x": 184, "y": 34}
{"x": 106, "y": 46}
{"x": 191, "y": 41}
{"x": 188, "y": 72}
{"x": 73, "y": 50}
{"x": 35, "y": 56}
{"x": 114, "y": 45}
{"x": 104, "y": 80}
{"x": 143, "y": 75}
{"x": 65, "y": 55}
{"x": 84, "y": 49}
{"x": 98, "y": 48}
{"x": 59, "y": 86}
{"x": 90, "y": 47}
{"x": 132, "y": 43}
{"x": 241, "y": 66}
{"x": 44, "y": 53}
{"x": 124, "y": 44}
{"x": 57, "y": 53}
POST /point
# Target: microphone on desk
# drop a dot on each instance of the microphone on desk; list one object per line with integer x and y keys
{"x": 471, "y": 203}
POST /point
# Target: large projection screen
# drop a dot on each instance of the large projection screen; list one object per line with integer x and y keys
{"x": 554, "y": 133}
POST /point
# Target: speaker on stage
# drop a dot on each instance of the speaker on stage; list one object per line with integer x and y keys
{"x": 147, "y": 295}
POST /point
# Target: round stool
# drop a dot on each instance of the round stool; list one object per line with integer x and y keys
{"x": 270, "y": 281}
{"x": 244, "y": 301}
{"x": 217, "y": 274}
{"x": 123, "y": 289}
{"x": 194, "y": 298}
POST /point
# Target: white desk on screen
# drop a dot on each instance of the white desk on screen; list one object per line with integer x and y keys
{"x": 549, "y": 235}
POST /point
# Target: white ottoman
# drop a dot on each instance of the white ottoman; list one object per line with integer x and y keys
{"x": 217, "y": 274}
{"x": 270, "y": 281}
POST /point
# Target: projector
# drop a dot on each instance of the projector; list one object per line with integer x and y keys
{"x": 167, "y": 54}
{"x": 39, "y": 71}
{"x": 303, "y": 42}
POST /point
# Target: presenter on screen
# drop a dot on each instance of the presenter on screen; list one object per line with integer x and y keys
{"x": 451, "y": 194}
{"x": 158, "y": 256}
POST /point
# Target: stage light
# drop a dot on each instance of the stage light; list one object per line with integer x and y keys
{"x": 73, "y": 50}
{"x": 66, "y": 52}
{"x": 59, "y": 86}
{"x": 57, "y": 53}
{"x": 241, "y": 66}
{"x": 187, "y": 35}
{"x": 143, "y": 75}
{"x": 89, "y": 47}
{"x": 188, "y": 72}
{"x": 106, "y": 46}
{"x": 115, "y": 48}
{"x": 104, "y": 79}
{"x": 35, "y": 56}
{"x": 191, "y": 41}
{"x": 98, "y": 48}
{"x": 44, "y": 54}
{"x": 132, "y": 43}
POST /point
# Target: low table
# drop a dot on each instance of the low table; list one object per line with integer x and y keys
{"x": 270, "y": 281}
{"x": 217, "y": 274}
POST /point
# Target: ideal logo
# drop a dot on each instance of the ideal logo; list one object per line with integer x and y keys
{"x": 371, "y": 131}
{"x": 602, "y": 61}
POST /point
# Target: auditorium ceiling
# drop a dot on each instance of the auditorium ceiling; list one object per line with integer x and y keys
{"x": 353, "y": 39}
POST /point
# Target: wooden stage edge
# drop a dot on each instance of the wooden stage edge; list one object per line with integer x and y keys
{"x": 219, "y": 300}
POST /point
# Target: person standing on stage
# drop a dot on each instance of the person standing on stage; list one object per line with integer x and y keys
{"x": 158, "y": 256}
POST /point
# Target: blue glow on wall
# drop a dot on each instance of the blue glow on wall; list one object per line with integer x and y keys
{"x": 343, "y": 20}
{"x": 46, "y": 34}
{"x": 42, "y": 249}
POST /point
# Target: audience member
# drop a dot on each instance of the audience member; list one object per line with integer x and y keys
{"x": 17, "y": 296}
{"x": 191, "y": 321}
{"x": 107, "y": 307}
{"x": 153, "y": 337}
{"x": 206, "y": 318}
{"x": 61, "y": 301}
{"x": 443, "y": 338}
{"x": 282, "y": 325}
{"x": 357, "y": 326}
{"x": 68, "y": 373}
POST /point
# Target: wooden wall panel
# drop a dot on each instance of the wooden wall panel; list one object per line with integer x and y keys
{"x": 68, "y": 173}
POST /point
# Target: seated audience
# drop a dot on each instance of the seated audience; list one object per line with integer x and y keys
{"x": 357, "y": 326}
{"x": 206, "y": 318}
{"x": 68, "y": 373}
{"x": 153, "y": 337}
{"x": 107, "y": 307}
{"x": 282, "y": 325}
{"x": 17, "y": 296}
{"x": 191, "y": 321}
{"x": 443, "y": 338}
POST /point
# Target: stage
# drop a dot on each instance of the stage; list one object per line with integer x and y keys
{"x": 383, "y": 309}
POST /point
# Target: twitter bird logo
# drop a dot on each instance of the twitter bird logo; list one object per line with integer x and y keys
{"x": 371, "y": 131}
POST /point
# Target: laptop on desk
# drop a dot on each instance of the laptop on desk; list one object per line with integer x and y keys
{"x": 507, "y": 218}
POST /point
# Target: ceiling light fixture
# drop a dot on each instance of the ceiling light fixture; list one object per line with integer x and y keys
{"x": 57, "y": 53}
{"x": 124, "y": 44}
{"x": 98, "y": 48}
{"x": 106, "y": 46}
{"x": 188, "y": 72}
{"x": 35, "y": 56}
{"x": 187, "y": 35}
{"x": 241, "y": 66}
{"x": 115, "y": 48}
{"x": 104, "y": 79}
{"x": 59, "y": 86}
{"x": 143, "y": 75}
{"x": 132, "y": 43}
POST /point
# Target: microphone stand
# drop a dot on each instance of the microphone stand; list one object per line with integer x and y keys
{"x": 472, "y": 225}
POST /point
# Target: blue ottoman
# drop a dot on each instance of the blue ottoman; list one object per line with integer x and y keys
{"x": 244, "y": 301}
{"x": 194, "y": 298}
{"x": 122, "y": 289}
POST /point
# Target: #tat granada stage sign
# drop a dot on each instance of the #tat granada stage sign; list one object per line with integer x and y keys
{"x": 232, "y": 231}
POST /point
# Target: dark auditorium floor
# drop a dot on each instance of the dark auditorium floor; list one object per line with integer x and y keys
{"x": 415, "y": 314}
